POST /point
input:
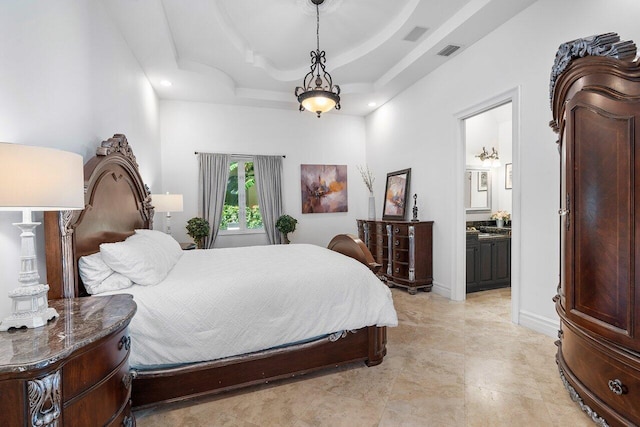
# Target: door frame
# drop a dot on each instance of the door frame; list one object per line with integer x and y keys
{"x": 458, "y": 292}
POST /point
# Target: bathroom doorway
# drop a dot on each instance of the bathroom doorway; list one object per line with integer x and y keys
{"x": 488, "y": 199}
{"x": 487, "y": 177}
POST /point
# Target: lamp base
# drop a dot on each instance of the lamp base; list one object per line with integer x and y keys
{"x": 30, "y": 308}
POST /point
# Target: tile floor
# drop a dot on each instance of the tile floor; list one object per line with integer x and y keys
{"x": 448, "y": 364}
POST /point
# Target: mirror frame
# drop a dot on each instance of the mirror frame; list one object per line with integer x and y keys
{"x": 489, "y": 195}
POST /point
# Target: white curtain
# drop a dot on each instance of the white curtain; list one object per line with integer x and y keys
{"x": 212, "y": 187}
{"x": 268, "y": 174}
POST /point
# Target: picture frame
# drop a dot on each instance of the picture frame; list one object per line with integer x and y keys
{"x": 508, "y": 176}
{"x": 395, "y": 195}
{"x": 483, "y": 180}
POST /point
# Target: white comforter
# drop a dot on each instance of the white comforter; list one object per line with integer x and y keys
{"x": 224, "y": 302}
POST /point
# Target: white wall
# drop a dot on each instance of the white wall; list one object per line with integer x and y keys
{"x": 68, "y": 81}
{"x": 417, "y": 129}
{"x": 187, "y": 127}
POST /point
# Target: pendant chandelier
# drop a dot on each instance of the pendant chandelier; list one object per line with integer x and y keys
{"x": 318, "y": 94}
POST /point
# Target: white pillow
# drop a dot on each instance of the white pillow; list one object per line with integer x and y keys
{"x": 93, "y": 270}
{"x": 165, "y": 242}
{"x": 112, "y": 283}
{"x": 139, "y": 258}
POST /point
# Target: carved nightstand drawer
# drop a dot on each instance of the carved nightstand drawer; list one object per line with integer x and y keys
{"x": 611, "y": 379}
{"x": 101, "y": 403}
{"x": 97, "y": 362}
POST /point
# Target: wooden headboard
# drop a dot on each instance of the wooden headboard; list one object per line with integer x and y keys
{"x": 116, "y": 203}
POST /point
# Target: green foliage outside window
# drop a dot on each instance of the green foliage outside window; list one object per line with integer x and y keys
{"x": 230, "y": 216}
{"x": 230, "y": 211}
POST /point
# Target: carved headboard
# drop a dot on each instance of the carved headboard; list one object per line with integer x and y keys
{"x": 116, "y": 203}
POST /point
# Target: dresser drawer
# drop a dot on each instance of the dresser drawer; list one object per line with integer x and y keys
{"x": 400, "y": 230}
{"x": 399, "y": 269}
{"x": 615, "y": 382}
{"x": 93, "y": 365}
{"x": 399, "y": 242}
{"x": 99, "y": 405}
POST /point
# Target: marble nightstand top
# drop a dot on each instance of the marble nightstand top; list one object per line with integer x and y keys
{"x": 81, "y": 321}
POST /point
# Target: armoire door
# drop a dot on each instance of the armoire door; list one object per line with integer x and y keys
{"x": 598, "y": 216}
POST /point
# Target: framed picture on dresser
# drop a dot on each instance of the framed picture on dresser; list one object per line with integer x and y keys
{"x": 395, "y": 195}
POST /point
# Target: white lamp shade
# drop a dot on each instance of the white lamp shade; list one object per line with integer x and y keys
{"x": 40, "y": 179}
{"x": 167, "y": 202}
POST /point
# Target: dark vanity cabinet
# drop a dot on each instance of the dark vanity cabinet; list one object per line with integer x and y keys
{"x": 488, "y": 262}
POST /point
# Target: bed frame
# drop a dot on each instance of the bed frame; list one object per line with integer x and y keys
{"x": 116, "y": 203}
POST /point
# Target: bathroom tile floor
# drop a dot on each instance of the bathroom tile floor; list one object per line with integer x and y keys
{"x": 448, "y": 364}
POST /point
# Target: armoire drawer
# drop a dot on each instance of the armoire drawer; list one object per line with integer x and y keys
{"x": 612, "y": 380}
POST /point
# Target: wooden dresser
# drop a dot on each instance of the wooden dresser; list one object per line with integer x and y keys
{"x": 73, "y": 371}
{"x": 405, "y": 250}
{"x": 595, "y": 89}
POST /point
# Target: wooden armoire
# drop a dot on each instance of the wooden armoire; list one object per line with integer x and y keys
{"x": 595, "y": 98}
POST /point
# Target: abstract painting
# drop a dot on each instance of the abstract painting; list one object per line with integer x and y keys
{"x": 323, "y": 188}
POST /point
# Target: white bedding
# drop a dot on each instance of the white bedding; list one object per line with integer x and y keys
{"x": 223, "y": 302}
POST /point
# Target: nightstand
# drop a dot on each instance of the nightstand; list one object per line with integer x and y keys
{"x": 72, "y": 371}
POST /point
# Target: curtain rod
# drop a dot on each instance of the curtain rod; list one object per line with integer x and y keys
{"x": 243, "y": 155}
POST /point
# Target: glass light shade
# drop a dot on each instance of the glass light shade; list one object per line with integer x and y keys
{"x": 40, "y": 179}
{"x": 167, "y": 202}
{"x": 318, "y": 101}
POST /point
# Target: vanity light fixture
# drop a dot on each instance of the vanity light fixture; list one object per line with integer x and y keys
{"x": 318, "y": 95}
{"x": 487, "y": 159}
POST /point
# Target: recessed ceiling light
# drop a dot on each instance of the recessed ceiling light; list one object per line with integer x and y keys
{"x": 372, "y": 104}
{"x": 165, "y": 83}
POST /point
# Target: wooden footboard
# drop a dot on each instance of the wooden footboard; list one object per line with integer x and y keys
{"x": 152, "y": 387}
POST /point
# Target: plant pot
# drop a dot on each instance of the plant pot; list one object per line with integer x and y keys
{"x": 499, "y": 223}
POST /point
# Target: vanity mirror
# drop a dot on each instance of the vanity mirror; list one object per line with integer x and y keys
{"x": 477, "y": 189}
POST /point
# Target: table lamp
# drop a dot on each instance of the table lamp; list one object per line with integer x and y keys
{"x": 36, "y": 179}
{"x": 167, "y": 203}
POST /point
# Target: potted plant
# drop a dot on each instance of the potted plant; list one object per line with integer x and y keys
{"x": 286, "y": 224}
{"x": 501, "y": 217}
{"x": 198, "y": 228}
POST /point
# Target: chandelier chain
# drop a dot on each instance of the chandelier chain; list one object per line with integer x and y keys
{"x": 318, "y": 27}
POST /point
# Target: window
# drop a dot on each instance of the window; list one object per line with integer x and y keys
{"x": 241, "y": 212}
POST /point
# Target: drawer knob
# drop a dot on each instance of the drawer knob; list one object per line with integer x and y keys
{"x": 397, "y": 243}
{"x": 617, "y": 387}
{"x": 397, "y": 230}
{"x": 127, "y": 422}
{"x": 397, "y": 269}
{"x": 125, "y": 342}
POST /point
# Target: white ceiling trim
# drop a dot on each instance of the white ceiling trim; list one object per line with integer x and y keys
{"x": 453, "y": 23}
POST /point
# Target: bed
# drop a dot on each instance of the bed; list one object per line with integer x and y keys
{"x": 117, "y": 203}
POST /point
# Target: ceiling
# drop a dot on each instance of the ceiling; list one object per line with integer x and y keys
{"x": 255, "y": 52}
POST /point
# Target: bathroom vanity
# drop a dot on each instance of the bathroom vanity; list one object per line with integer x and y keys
{"x": 488, "y": 258}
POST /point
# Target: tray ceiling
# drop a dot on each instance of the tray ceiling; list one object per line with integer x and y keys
{"x": 255, "y": 52}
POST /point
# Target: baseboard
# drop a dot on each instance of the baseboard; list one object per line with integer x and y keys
{"x": 440, "y": 289}
{"x": 538, "y": 323}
